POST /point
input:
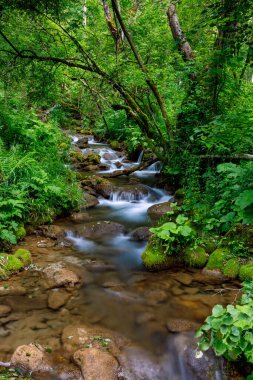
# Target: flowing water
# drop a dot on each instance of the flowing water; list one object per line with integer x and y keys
{"x": 120, "y": 294}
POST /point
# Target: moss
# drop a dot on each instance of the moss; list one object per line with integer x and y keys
{"x": 153, "y": 255}
{"x": 180, "y": 193}
{"x": 3, "y": 274}
{"x": 218, "y": 258}
{"x": 115, "y": 144}
{"x": 231, "y": 268}
{"x": 21, "y": 232}
{"x": 246, "y": 272}
{"x": 195, "y": 257}
{"x": 10, "y": 263}
{"x": 24, "y": 256}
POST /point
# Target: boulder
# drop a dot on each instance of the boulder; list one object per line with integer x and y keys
{"x": 100, "y": 185}
{"x": 58, "y": 298}
{"x": 79, "y": 217}
{"x": 82, "y": 143}
{"x": 30, "y": 357}
{"x": 89, "y": 201}
{"x": 155, "y": 212}
{"x": 96, "y": 364}
{"x": 156, "y": 296}
{"x": 53, "y": 232}
{"x": 96, "y": 230}
{"x": 58, "y": 276}
{"x": 140, "y": 234}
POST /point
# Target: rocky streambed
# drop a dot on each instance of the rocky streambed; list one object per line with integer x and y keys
{"x": 87, "y": 309}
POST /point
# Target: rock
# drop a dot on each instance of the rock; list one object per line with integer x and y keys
{"x": 53, "y": 232}
{"x": 89, "y": 201}
{"x": 24, "y": 256}
{"x": 4, "y": 332}
{"x": 82, "y": 143}
{"x": 76, "y": 337}
{"x": 79, "y": 217}
{"x": 185, "y": 278}
{"x": 4, "y": 310}
{"x": 92, "y": 168}
{"x": 213, "y": 273}
{"x": 58, "y": 299}
{"x": 110, "y": 156}
{"x": 181, "y": 325}
{"x": 30, "y": 357}
{"x": 96, "y": 364}
{"x": 156, "y": 296}
{"x": 12, "y": 290}
{"x": 91, "y": 158}
{"x": 104, "y": 188}
{"x": 144, "y": 318}
{"x": 58, "y": 276}
{"x": 140, "y": 234}
{"x": 96, "y": 230}
{"x": 155, "y": 212}
{"x": 138, "y": 364}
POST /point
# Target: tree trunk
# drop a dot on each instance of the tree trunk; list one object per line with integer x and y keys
{"x": 183, "y": 45}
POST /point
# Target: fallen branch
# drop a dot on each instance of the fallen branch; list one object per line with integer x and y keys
{"x": 141, "y": 166}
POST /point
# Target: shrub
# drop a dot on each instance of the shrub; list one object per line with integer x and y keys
{"x": 229, "y": 330}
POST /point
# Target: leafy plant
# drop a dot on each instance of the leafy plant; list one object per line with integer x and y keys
{"x": 229, "y": 330}
{"x": 175, "y": 234}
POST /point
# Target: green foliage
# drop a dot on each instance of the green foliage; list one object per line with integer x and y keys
{"x": 35, "y": 185}
{"x": 229, "y": 330}
{"x": 175, "y": 235}
{"x": 218, "y": 258}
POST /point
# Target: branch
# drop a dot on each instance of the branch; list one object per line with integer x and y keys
{"x": 141, "y": 166}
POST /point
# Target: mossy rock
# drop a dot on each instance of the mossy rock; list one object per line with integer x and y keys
{"x": 154, "y": 258}
{"x": 21, "y": 232}
{"x": 3, "y": 274}
{"x": 218, "y": 258}
{"x": 195, "y": 257}
{"x": 10, "y": 263}
{"x": 115, "y": 144}
{"x": 246, "y": 272}
{"x": 231, "y": 268}
{"x": 24, "y": 256}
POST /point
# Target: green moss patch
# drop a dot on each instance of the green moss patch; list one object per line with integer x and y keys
{"x": 246, "y": 272}
{"x": 24, "y": 256}
{"x": 218, "y": 258}
{"x": 21, "y": 233}
{"x": 10, "y": 263}
{"x": 195, "y": 257}
{"x": 153, "y": 255}
{"x": 231, "y": 268}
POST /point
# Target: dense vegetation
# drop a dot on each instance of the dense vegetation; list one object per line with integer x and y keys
{"x": 135, "y": 77}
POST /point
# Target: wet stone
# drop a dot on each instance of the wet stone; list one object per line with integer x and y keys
{"x": 4, "y": 310}
{"x": 184, "y": 278}
{"x": 58, "y": 298}
{"x": 181, "y": 325}
{"x": 156, "y": 296}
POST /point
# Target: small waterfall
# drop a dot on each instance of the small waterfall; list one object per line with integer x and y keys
{"x": 140, "y": 157}
{"x": 127, "y": 196}
{"x": 73, "y": 138}
{"x": 156, "y": 167}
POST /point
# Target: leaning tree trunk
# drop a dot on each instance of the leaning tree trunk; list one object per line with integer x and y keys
{"x": 183, "y": 45}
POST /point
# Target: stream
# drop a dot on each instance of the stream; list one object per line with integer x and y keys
{"x": 157, "y": 312}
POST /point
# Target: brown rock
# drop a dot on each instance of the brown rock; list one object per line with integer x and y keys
{"x": 4, "y": 310}
{"x": 157, "y": 211}
{"x": 82, "y": 143}
{"x": 79, "y": 217}
{"x": 184, "y": 278}
{"x": 30, "y": 357}
{"x": 89, "y": 201}
{"x": 12, "y": 290}
{"x": 96, "y": 364}
{"x": 140, "y": 234}
{"x": 96, "y": 230}
{"x": 181, "y": 325}
{"x": 59, "y": 277}
{"x": 58, "y": 299}
{"x": 156, "y": 296}
{"x": 53, "y": 231}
